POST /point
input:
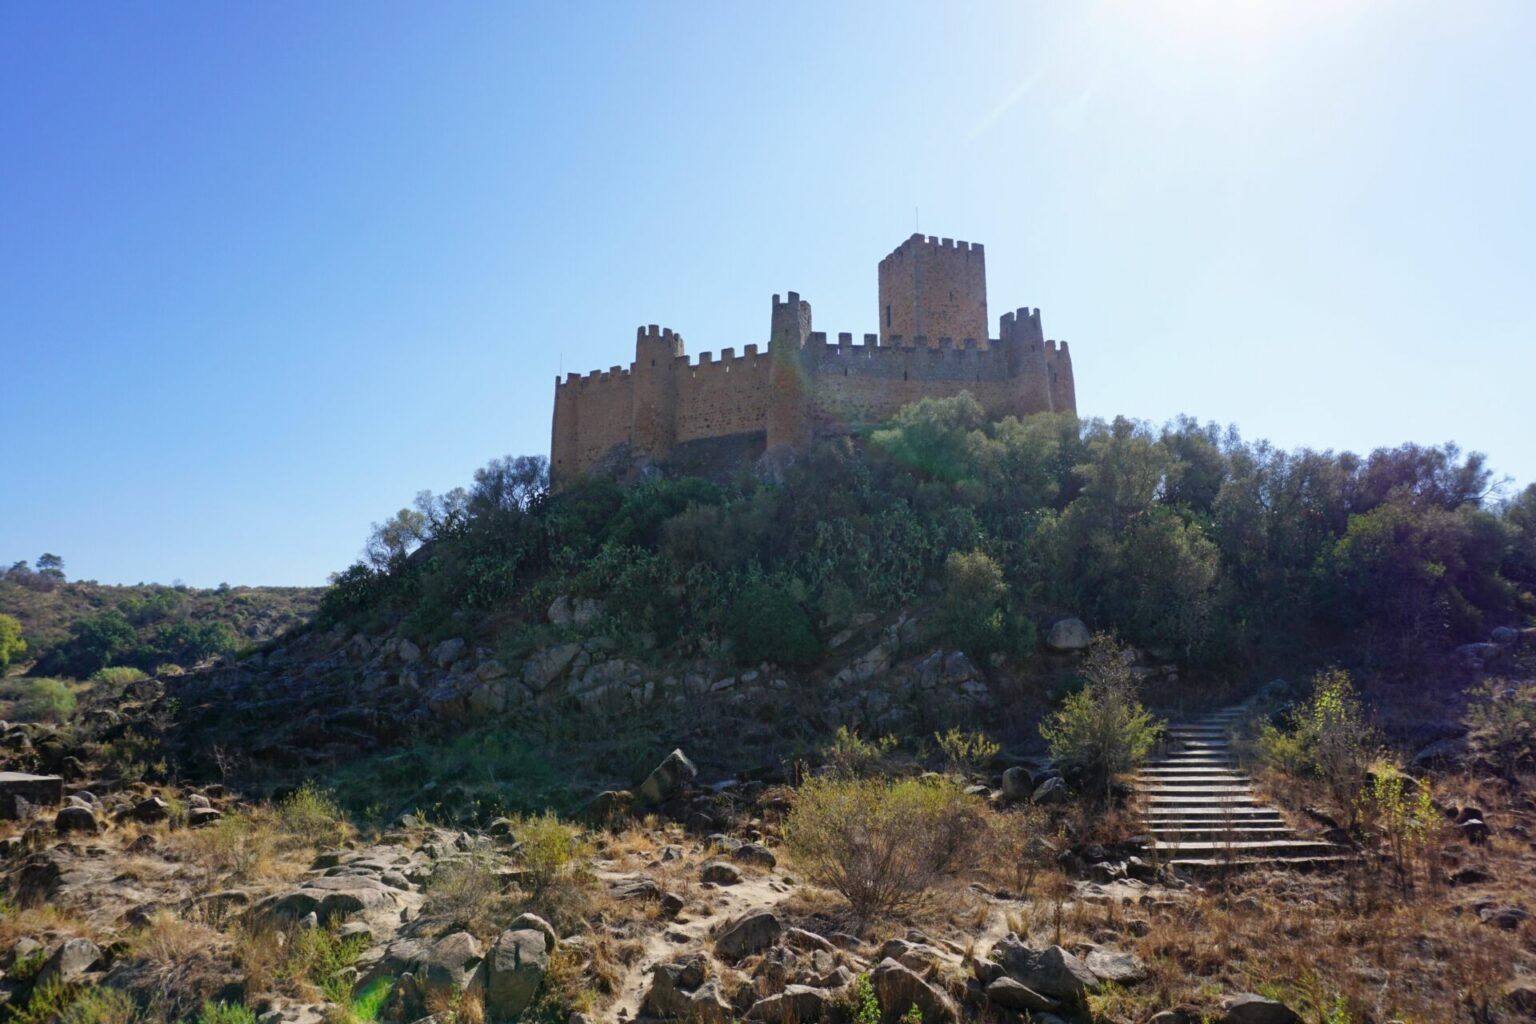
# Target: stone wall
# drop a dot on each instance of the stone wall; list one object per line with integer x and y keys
{"x": 935, "y": 288}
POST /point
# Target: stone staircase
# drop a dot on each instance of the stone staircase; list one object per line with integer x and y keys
{"x": 1201, "y": 812}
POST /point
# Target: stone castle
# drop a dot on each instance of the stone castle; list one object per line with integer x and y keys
{"x": 932, "y": 343}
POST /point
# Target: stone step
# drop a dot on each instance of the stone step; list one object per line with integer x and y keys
{"x": 1191, "y": 777}
{"x": 1211, "y": 796}
{"x": 1201, "y": 864}
{"x": 1167, "y": 836}
{"x": 1212, "y": 815}
{"x": 1293, "y": 847}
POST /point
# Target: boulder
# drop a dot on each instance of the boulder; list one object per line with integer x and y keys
{"x": 76, "y": 819}
{"x": 795, "y": 1003}
{"x": 449, "y": 651}
{"x": 526, "y": 921}
{"x": 754, "y": 853}
{"x": 450, "y": 965}
{"x": 69, "y": 962}
{"x": 1119, "y": 967}
{"x": 515, "y": 970}
{"x": 1052, "y": 791}
{"x": 1068, "y": 635}
{"x": 30, "y": 790}
{"x": 1052, "y": 971}
{"x": 1016, "y": 784}
{"x": 720, "y": 872}
{"x": 1011, "y": 994}
{"x": 548, "y": 664}
{"x": 678, "y": 990}
{"x": 667, "y": 779}
{"x": 408, "y": 652}
{"x": 899, "y": 988}
{"x": 748, "y": 934}
{"x": 1248, "y": 1008}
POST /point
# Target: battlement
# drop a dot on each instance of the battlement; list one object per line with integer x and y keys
{"x": 919, "y": 242}
{"x": 933, "y": 341}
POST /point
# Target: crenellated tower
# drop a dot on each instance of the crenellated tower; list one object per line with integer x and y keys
{"x": 789, "y": 370}
{"x": 653, "y": 422}
{"x": 934, "y": 288}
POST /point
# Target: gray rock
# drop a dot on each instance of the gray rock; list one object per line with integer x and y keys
{"x": 899, "y": 987}
{"x": 408, "y": 652}
{"x": 720, "y": 873}
{"x": 1119, "y": 967}
{"x": 1016, "y": 784}
{"x": 748, "y": 934}
{"x": 76, "y": 819}
{"x": 1248, "y": 1008}
{"x": 1012, "y": 994}
{"x": 549, "y": 664}
{"x": 795, "y": 1003}
{"x": 451, "y": 963}
{"x": 667, "y": 779}
{"x": 678, "y": 990}
{"x": 449, "y": 651}
{"x": 525, "y": 921}
{"x": 1051, "y": 791}
{"x": 515, "y": 970}
{"x": 1052, "y": 971}
{"x": 69, "y": 962}
{"x": 754, "y": 853}
{"x": 150, "y": 810}
{"x": 1068, "y": 635}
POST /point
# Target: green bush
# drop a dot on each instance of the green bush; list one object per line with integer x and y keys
{"x": 118, "y": 675}
{"x": 851, "y": 756}
{"x": 1329, "y": 739}
{"x": 226, "y": 1013}
{"x": 12, "y": 646}
{"x": 313, "y": 815}
{"x": 39, "y": 700}
{"x": 1102, "y": 729}
{"x": 767, "y": 623}
{"x": 881, "y": 845}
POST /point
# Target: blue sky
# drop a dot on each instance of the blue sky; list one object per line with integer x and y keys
{"x": 266, "y": 270}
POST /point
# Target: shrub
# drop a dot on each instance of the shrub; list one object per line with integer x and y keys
{"x": 1403, "y": 811}
{"x": 312, "y": 815}
{"x": 1102, "y": 729}
{"x": 12, "y": 645}
{"x": 850, "y": 756}
{"x": 767, "y": 623}
{"x": 1329, "y": 739}
{"x": 555, "y": 859}
{"x": 466, "y": 892}
{"x": 880, "y": 845}
{"x": 226, "y": 1013}
{"x": 1502, "y": 717}
{"x": 118, "y": 675}
{"x": 965, "y": 752}
{"x": 40, "y": 700}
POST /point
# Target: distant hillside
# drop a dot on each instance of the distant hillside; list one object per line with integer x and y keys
{"x": 73, "y": 628}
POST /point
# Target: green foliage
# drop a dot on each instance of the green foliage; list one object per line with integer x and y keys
{"x": 914, "y": 1015}
{"x": 228, "y": 1013}
{"x": 1185, "y": 539}
{"x": 12, "y": 646}
{"x": 965, "y": 752}
{"x": 879, "y": 844}
{"x": 1102, "y": 729}
{"x": 58, "y": 1003}
{"x": 1502, "y": 719}
{"x": 550, "y": 850}
{"x": 1402, "y": 809}
{"x": 850, "y": 756}
{"x": 312, "y": 815}
{"x": 318, "y": 956}
{"x": 767, "y": 623}
{"x": 38, "y": 700}
{"x": 1327, "y": 738}
{"x": 118, "y": 675}
{"x": 866, "y": 1006}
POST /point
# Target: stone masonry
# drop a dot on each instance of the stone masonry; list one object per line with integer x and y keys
{"x": 932, "y": 343}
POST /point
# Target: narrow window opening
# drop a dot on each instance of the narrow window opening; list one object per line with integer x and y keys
{"x": 887, "y": 314}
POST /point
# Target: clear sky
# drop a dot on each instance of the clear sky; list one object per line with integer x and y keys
{"x": 268, "y": 269}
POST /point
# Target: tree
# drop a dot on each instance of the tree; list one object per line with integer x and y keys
{"x": 1102, "y": 729}
{"x": 11, "y": 643}
{"x": 970, "y": 613}
{"x": 1330, "y": 738}
{"x": 51, "y": 565}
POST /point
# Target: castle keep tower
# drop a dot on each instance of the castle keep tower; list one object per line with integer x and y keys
{"x": 934, "y": 288}
{"x": 711, "y": 415}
